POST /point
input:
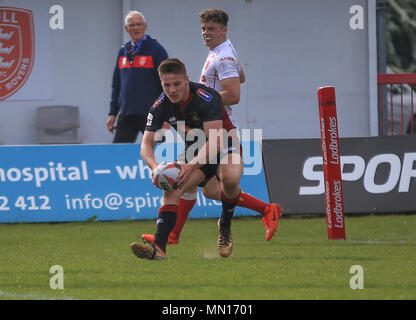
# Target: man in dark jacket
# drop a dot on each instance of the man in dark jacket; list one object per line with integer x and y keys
{"x": 136, "y": 83}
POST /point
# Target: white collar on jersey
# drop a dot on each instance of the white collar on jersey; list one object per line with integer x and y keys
{"x": 221, "y": 45}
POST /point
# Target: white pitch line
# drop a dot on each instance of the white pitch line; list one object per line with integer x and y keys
{"x": 378, "y": 241}
{"x": 31, "y": 296}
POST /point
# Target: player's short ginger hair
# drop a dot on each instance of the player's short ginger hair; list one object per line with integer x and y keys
{"x": 172, "y": 65}
{"x": 214, "y": 15}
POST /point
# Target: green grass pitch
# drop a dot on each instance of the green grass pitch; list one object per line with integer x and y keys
{"x": 298, "y": 263}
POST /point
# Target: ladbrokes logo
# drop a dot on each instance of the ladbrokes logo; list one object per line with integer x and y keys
{"x": 17, "y": 49}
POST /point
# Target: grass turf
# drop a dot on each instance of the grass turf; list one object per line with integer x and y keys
{"x": 298, "y": 263}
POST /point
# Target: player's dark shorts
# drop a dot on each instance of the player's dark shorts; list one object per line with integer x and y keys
{"x": 211, "y": 169}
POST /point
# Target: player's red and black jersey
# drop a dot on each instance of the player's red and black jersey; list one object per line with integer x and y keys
{"x": 204, "y": 105}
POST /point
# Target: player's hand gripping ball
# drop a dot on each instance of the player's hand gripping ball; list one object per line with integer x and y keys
{"x": 166, "y": 176}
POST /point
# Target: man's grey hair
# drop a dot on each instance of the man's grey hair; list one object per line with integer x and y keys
{"x": 134, "y": 13}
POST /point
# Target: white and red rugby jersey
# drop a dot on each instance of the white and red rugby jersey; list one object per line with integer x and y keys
{"x": 221, "y": 63}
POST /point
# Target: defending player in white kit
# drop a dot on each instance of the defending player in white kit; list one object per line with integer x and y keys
{"x": 222, "y": 64}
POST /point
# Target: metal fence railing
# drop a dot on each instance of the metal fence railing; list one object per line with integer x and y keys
{"x": 396, "y": 103}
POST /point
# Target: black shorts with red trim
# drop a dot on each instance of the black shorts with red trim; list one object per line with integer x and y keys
{"x": 211, "y": 169}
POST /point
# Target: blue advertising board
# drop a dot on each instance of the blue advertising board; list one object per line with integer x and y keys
{"x": 57, "y": 183}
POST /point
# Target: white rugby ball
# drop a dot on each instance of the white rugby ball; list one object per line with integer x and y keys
{"x": 166, "y": 175}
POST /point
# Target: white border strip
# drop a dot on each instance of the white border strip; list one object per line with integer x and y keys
{"x": 31, "y": 296}
{"x": 372, "y": 66}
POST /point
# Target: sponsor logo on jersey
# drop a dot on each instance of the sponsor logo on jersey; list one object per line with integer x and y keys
{"x": 204, "y": 95}
{"x": 149, "y": 119}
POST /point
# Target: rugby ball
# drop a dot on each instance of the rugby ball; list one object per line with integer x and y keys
{"x": 166, "y": 176}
